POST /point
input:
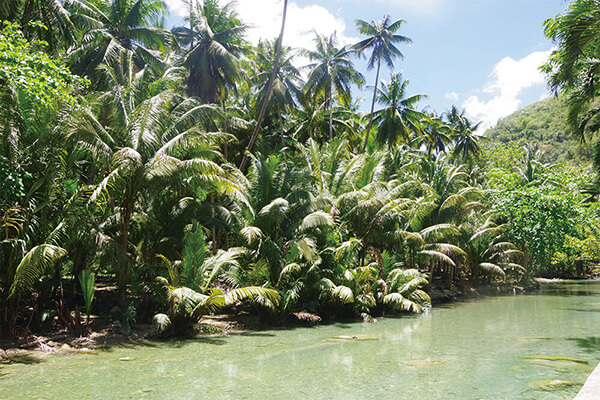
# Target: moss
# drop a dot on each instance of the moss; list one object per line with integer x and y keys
{"x": 555, "y": 358}
{"x": 555, "y": 384}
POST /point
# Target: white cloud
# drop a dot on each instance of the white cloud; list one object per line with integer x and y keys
{"x": 176, "y": 7}
{"x": 264, "y": 17}
{"x": 500, "y": 95}
{"x": 422, "y": 7}
{"x": 453, "y": 96}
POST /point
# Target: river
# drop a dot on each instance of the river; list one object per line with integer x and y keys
{"x": 506, "y": 347}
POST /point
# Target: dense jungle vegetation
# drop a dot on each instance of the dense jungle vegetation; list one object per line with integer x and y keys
{"x": 544, "y": 125}
{"x": 153, "y": 174}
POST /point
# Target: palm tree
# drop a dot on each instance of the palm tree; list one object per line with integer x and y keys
{"x": 381, "y": 42}
{"x": 532, "y": 165}
{"x": 466, "y": 146}
{"x": 24, "y": 263}
{"x": 399, "y": 118}
{"x": 283, "y": 208}
{"x": 154, "y": 143}
{"x": 435, "y": 134}
{"x": 213, "y": 42}
{"x": 331, "y": 71}
{"x": 189, "y": 284}
{"x": 263, "y": 110}
{"x": 113, "y": 27}
{"x": 312, "y": 120}
{"x": 486, "y": 253}
{"x": 286, "y": 86}
{"x": 573, "y": 68}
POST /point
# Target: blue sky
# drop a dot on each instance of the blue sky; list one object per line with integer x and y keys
{"x": 481, "y": 55}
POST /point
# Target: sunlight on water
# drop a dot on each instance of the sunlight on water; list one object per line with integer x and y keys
{"x": 539, "y": 346}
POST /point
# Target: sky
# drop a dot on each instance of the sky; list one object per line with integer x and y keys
{"x": 480, "y": 55}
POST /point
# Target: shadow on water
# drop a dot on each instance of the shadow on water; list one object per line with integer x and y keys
{"x": 588, "y": 343}
{"x": 574, "y": 288}
{"x": 160, "y": 343}
{"x": 22, "y": 359}
{"x": 582, "y": 309}
{"x": 257, "y": 334}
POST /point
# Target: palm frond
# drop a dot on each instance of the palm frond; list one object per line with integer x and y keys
{"x": 317, "y": 219}
{"x": 492, "y": 269}
{"x": 341, "y": 294}
{"x": 37, "y": 262}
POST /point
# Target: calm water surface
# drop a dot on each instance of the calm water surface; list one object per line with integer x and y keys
{"x": 469, "y": 350}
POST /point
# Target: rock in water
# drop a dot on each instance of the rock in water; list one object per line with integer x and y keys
{"x": 555, "y": 384}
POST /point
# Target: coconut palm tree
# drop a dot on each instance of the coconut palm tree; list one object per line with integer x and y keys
{"x": 286, "y": 86}
{"x": 399, "y": 118}
{"x": 466, "y": 142}
{"x": 113, "y": 27}
{"x": 435, "y": 135}
{"x": 283, "y": 208}
{"x": 331, "y": 71}
{"x": 24, "y": 262}
{"x": 532, "y": 165}
{"x": 213, "y": 43}
{"x": 263, "y": 109}
{"x": 154, "y": 143}
{"x": 381, "y": 41}
{"x": 487, "y": 254}
{"x": 313, "y": 120}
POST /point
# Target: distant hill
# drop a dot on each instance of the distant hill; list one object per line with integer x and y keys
{"x": 542, "y": 123}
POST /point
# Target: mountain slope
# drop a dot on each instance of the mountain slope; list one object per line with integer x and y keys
{"x": 542, "y": 123}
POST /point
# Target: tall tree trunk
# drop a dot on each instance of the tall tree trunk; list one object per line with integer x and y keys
{"x": 27, "y": 18}
{"x": 225, "y": 128}
{"x": 281, "y": 125}
{"x": 330, "y": 104}
{"x": 213, "y": 229}
{"x": 122, "y": 271}
{"x": 263, "y": 110}
{"x": 372, "y": 107}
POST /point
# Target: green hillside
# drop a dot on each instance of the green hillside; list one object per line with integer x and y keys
{"x": 542, "y": 123}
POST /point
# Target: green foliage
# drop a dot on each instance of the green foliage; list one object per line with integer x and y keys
{"x": 542, "y": 125}
{"x": 539, "y": 222}
{"x": 40, "y": 79}
{"x": 38, "y": 261}
{"x": 132, "y": 177}
{"x": 87, "y": 280}
{"x": 12, "y": 188}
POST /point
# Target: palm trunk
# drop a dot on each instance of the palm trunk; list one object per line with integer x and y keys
{"x": 331, "y": 122}
{"x": 213, "y": 230}
{"x": 330, "y": 104}
{"x": 372, "y": 107}
{"x": 281, "y": 125}
{"x": 225, "y": 128}
{"x": 27, "y": 18}
{"x": 263, "y": 110}
{"x": 122, "y": 271}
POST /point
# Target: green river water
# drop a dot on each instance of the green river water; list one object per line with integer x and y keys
{"x": 487, "y": 348}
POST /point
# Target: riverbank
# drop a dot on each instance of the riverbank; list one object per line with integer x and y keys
{"x": 105, "y": 336}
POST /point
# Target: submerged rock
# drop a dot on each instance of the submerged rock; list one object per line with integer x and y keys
{"x": 531, "y": 338}
{"x": 355, "y": 337}
{"x": 555, "y": 384}
{"x": 428, "y": 362}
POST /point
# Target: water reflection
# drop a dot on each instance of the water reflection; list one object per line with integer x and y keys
{"x": 591, "y": 343}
